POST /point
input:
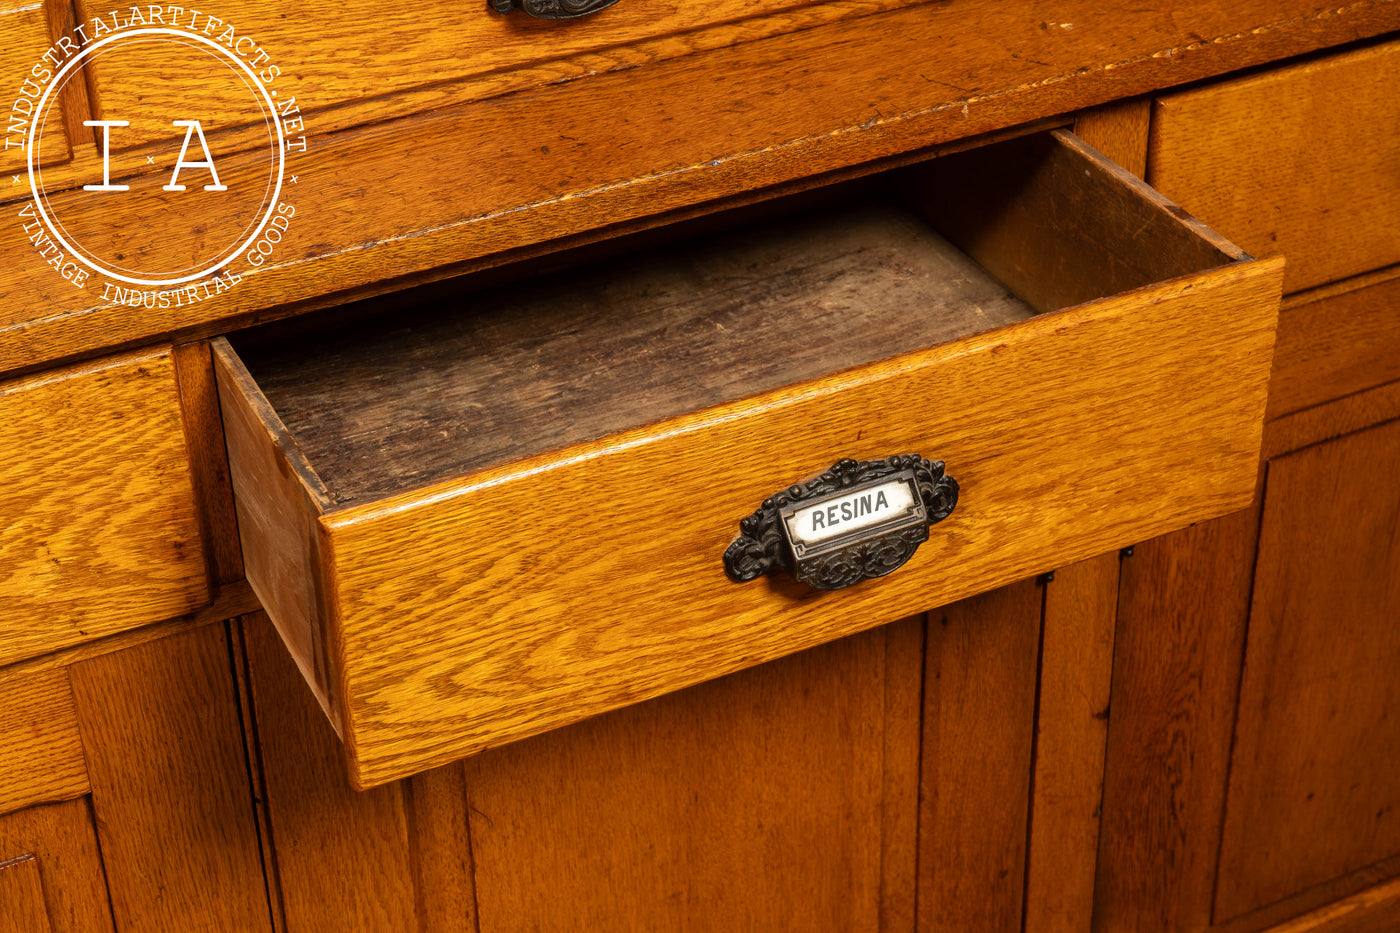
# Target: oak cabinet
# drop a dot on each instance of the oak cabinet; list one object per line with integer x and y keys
{"x": 1197, "y": 732}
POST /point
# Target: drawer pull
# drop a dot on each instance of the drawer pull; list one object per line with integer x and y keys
{"x": 856, "y": 521}
{"x": 553, "y": 9}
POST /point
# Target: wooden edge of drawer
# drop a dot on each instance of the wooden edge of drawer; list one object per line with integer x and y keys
{"x": 1072, "y": 434}
{"x": 279, "y": 500}
{"x": 102, "y": 530}
{"x": 41, "y": 749}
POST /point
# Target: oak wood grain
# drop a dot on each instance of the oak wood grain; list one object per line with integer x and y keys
{"x": 979, "y": 722}
{"x": 1336, "y": 340}
{"x": 24, "y": 37}
{"x": 22, "y": 893}
{"x": 616, "y": 153}
{"x": 1071, "y": 730}
{"x": 169, "y": 785}
{"x": 204, "y": 437}
{"x": 344, "y": 859}
{"x": 452, "y": 675}
{"x": 751, "y": 802}
{"x": 41, "y": 752}
{"x": 100, "y": 530}
{"x": 1120, "y": 130}
{"x": 1178, "y": 645}
{"x": 1312, "y": 791}
{"x": 1324, "y": 422}
{"x": 63, "y": 840}
{"x": 1320, "y": 186}
{"x": 1059, "y": 224}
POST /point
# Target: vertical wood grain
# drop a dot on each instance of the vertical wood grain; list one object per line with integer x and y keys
{"x": 903, "y": 725}
{"x": 22, "y": 897}
{"x": 396, "y": 857}
{"x": 1183, "y": 601}
{"x": 750, "y": 802}
{"x": 1076, "y": 669}
{"x": 1120, "y": 131}
{"x": 41, "y": 751}
{"x": 170, "y": 785}
{"x": 62, "y": 838}
{"x": 979, "y": 713}
{"x": 1314, "y": 792}
{"x": 204, "y": 436}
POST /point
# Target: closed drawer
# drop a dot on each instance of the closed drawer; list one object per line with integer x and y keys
{"x": 100, "y": 531}
{"x": 505, "y": 514}
{"x": 1321, "y": 185}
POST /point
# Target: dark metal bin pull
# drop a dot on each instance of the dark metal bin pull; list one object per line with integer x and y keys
{"x": 856, "y": 521}
{"x": 553, "y": 9}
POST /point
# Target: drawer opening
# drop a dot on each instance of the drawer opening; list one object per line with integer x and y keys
{"x": 911, "y": 259}
{"x": 504, "y": 511}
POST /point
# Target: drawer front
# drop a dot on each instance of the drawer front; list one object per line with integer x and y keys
{"x": 437, "y": 622}
{"x": 1321, "y": 185}
{"x": 100, "y": 530}
{"x": 24, "y": 37}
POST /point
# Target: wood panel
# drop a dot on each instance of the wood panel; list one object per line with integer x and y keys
{"x": 1313, "y": 791}
{"x": 1321, "y": 186}
{"x": 1178, "y": 646}
{"x": 63, "y": 841}
{"x": 387, "y": 201}
{"x": 455, "y": 674}
{"x": 101, "y": 532}
{"x": 343, "y": 858}
{"x": 41, "y": 752}
{"x": 1336, "y": 340}
{"x": 24, "y": 37}
{"x": 22, "y": 893}
{"x": 1120, "y": 131}
{"x": 1071, "y": 730}
{"x": 170, "y": 785}
{"x": 979, "y": 724}
{"x": 752, "y": 802}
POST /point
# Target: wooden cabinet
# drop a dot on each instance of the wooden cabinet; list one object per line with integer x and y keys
{"x": 1196, "y": 733}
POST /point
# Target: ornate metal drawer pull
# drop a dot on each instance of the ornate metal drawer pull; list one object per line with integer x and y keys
{"x": 553, "y": 9}
{"x": 856, "y": 521}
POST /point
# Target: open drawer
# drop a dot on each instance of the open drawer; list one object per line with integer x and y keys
{"x": 506, "y": 512}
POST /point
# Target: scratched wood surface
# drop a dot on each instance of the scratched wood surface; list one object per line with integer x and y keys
{"x": 101, "y": 531}
{"x": 387, "y": 200}
{"x": 399, "y": 404}
{"x": 1321, "y": 186}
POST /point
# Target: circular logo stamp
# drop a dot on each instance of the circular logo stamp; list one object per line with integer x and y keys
{"x": 193, "y": 141}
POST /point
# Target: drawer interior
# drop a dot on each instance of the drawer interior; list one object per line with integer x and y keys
{"x": 756, "y": 301}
